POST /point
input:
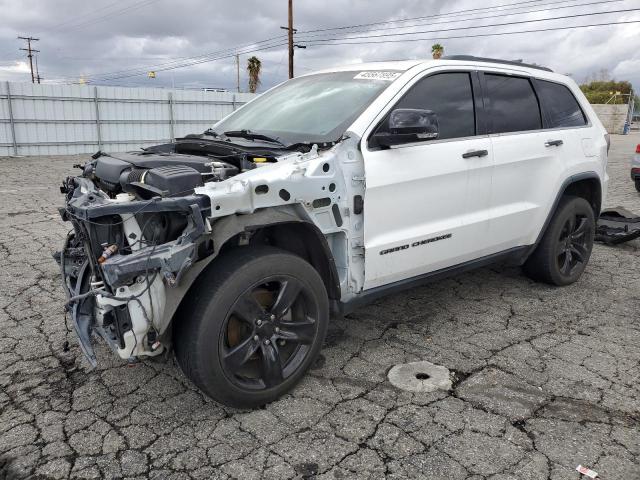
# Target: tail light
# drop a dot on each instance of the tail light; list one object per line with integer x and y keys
{"x": 638, "y": 148}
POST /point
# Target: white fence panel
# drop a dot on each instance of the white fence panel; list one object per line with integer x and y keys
{"x": 70, "y": 119}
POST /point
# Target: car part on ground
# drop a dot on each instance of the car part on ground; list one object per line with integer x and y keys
{"x": 617, "y": 225}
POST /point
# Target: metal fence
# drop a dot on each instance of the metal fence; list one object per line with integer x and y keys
{"x": 71, "y": 119}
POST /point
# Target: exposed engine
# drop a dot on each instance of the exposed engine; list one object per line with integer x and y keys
{"x": 162, "y": 171}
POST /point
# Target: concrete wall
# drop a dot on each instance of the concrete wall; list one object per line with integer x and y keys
{"x": 612, "y": 117}
{"x": 70, "y": 119}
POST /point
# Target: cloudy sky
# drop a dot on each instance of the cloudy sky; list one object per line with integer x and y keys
{"x": 110, "y": 41}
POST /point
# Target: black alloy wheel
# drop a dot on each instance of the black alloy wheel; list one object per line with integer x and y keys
{"x": 269, "y": 331}
{"x": 564, "y": 250}
{"x": 252, "y": 325}
{"x": 573, "y": 247}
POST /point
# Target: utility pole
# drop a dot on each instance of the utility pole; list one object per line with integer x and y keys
{"x": 290, "y": 28}
{"x": 30, "y": 51}
{"x": 290, "y": 31}
{"x": 238, "y": 71}
{"x": 37, "y": 71}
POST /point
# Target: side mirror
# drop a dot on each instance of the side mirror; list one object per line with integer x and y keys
{"x": 407, "y": 125}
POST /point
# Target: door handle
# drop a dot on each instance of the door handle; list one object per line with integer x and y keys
{"x": 553, "y": 143}
{"x": 475, "y": 153}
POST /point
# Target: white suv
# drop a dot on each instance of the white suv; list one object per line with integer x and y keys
{"x": 234, "y": 246}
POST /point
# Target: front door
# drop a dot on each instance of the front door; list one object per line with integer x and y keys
{"x": 426, "y": 203}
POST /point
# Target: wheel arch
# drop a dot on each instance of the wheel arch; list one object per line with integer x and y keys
{"x": 586, "y": 185}
{"x": 284, "y": 227}
{"x": 295, "y": 235}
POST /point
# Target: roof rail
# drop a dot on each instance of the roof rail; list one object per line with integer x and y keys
{"x": 519, "y": 63}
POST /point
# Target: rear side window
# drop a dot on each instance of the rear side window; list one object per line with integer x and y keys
{"x": 513, "y": 104}
{"x": 561, "y": 107}
{"x": 450, "y": 97}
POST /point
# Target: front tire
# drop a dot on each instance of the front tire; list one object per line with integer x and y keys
{"x": 565, "y": 248}
{"x": 255, "y": 322}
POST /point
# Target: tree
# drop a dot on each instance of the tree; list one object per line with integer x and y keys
{"x": 599, "y": 91}
{"x": 437, "y": 50}
{"x": 254, "y": 67}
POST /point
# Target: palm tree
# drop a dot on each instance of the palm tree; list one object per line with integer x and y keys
{"x": 437, "y": 50}
{"x": 254, "y": 66}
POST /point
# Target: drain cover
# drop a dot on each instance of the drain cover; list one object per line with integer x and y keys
{"x": 420, "y": 377}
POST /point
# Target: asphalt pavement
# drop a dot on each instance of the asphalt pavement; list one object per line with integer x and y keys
{"x": 544, "y": 379}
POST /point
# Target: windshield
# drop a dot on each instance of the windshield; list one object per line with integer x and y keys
{"x": 311, "y": 109}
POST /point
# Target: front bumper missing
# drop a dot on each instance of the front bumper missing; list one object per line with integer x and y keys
{"x": 122, "y": 299}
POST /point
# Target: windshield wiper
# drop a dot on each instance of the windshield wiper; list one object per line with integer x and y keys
{"x": 253, "y": 136}
{"x": 211, "y": 132}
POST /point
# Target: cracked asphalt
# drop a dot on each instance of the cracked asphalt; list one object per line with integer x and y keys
{"x": 544, "y": 378}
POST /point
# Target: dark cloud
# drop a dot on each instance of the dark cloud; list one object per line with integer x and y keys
{"x": 74, "y": 43}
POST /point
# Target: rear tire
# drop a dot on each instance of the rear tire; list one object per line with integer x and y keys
{"x": 254, "y": 323}
{"x": 637, "y": 184}
{"x": 564, "y": 251}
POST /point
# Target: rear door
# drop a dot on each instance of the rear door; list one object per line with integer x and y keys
{"x": 426, "y": 203}
{"x": 564, "y": 120}
{"x": 527, "y": 161}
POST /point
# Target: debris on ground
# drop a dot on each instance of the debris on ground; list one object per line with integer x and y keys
{"x": 617, "y": 225}
{"x": 586, "y": 471}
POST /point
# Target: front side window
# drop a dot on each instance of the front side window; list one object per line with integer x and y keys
{"x": 513, "y": 104}
{"x": 560, "y": 106}
{"x": 450, "y": 97}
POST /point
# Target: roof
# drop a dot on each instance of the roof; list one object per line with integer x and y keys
{"x": 399, "y": 65}
{"x": 404, "y": 65}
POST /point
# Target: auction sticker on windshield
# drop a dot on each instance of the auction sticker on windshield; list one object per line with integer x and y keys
{"x": 388, "y": 76}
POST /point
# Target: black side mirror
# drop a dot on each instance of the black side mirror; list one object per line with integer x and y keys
{"x": 407, "y": 125}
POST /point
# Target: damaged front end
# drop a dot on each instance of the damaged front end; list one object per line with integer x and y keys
{"x": 146, "y": 224}
{"x": 121, "y": 256}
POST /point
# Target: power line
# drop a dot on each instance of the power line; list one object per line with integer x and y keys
{"x": 83, "y": 16}
{"x": 478, "y": 18}
{"x": 92, "y": 21}
{"x": 341, "y": 40}
{"x": 86, "y": 19}
{"x": 517, "y": 22}
{"x": 475, "y": 35}
{"x": 185, "y": 61}
{"x": 446, "y": 14}
{"x": 180, "y": 60}
{"x": 275, "y": 42}
{"x": 192, "y": 63}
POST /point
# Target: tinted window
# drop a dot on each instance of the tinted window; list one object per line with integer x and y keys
{"x": 560, "y": 105}
{"x": 450, "y": 97}
{"x": 514, "y": 106}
